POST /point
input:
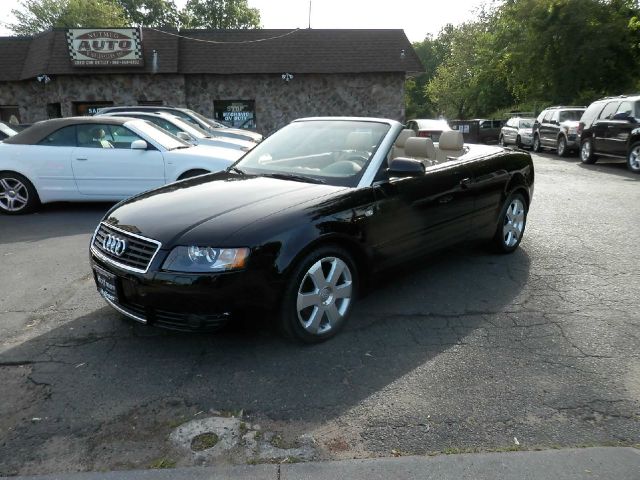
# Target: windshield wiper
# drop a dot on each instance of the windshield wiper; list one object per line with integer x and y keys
{"x": 237, "y": 170}
{"x": 182, "y": 146}
{"x": 291, "y": 176}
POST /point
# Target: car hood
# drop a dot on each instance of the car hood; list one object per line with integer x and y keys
{"x": 208, "y": 151}
{"x": 210, "y": 209}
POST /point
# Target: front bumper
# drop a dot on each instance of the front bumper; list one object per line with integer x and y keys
{"x": 573, "y": 141}
{"x": 185, "y": 302}
{"x": 527, "y": 141}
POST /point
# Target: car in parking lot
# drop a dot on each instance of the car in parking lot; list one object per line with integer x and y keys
{"x": 191, "y": 116}
{"x": 96, "y": 159}
{"x": 517, "y": 131}
{"x": 428, "y": 128}
{"x": 557, "y": 128}
{"x": 301, "y": 221}
{"x": 611, "y": 128}
{"x": 186, "y": 131}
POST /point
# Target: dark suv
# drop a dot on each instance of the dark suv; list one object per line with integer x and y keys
{"x": 557, "y": 128}
{"x": 611, "y": 128}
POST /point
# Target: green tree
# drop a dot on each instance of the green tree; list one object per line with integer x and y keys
{"x": 219, "y": 14}
{"x": 35, "y": 16}
{"x": 567, "y": 50}
{"x": 151, "y": 13}
{"x": 469, "y": 82}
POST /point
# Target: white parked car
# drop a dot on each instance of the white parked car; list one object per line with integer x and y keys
{"x": 97, "y": 159}
{"x": 187, "y": 131}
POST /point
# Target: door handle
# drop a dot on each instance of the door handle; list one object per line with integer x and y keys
{"x": 465, "y": 182}
{"x": 82, "y": 159}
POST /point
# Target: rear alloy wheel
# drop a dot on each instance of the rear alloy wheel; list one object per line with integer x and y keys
{"x": 586, "y": 152}
{"x": 319, "y": 296}
{"x": 17, "y": 194}
{"x": 633, "y": 159}
{"x": 513, "y": 219}
{"x": 562, "y": 146}
{"x": 537, "y": 147}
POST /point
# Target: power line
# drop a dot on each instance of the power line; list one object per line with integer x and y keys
{"x": 218, "y": 42}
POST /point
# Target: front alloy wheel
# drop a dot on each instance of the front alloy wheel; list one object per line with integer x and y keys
{"x": 562, "y": 146}
{"x": 319, "y": 296}
{"x": 513, "y": 219}
{"x": 537, "y": 147}
{"x": 586, "y": 152}
{"x": 633, "y": 159}
{"x": 17, "y": 195}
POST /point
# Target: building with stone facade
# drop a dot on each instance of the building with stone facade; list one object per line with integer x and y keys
{"x": 259, "y": 79}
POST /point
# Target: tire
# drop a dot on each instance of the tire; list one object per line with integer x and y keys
{"x": 586, "y": 152}
{"x": 633, "y": 158}
{"x": 562, "y": 150}
{"x": 537, "y": 146}
{"x": 518, "y": 142}
{"x": 17, "y": 194}
{"x": 511, "y": 224}
{"x": 501, "y": 141}
{"x": 192, "y": 173}
{"x": 316, "y": 307}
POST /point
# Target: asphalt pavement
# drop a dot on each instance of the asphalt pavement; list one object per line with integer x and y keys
{"x": 570, "y": 464}
{"x": 464, "y": 351}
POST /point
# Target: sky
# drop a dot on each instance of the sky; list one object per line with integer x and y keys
{"x": 417, "y": 17}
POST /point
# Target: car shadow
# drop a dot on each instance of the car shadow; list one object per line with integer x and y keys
{"x": 52, "y": 220}
{"x": 96, "y": 370}
{"x": 612, "y": 167}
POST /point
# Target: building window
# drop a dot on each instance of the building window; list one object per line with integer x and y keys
{"x": 54, "y": 110}
{"x": 10, "y": 114}
{"x": 236, "y": 113}
{"x": 89, "y": 108}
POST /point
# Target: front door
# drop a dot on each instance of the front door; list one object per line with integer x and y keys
{"x": 105, "y": 165}
{"x": 415, "y": 215}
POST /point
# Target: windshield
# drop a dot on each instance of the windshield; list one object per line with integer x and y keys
{"x": 526, "y": 123}
{"x": 336, "y": 152}
{"x": 164, "y": 138}
{"x": 205, "y": 120}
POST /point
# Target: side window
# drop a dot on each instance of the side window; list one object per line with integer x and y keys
{"x": 556, "y": 116}
{"x": 121, "y": 137}
{"x": 541, "y": 116}
{"x": 547, "y": 116}
{"x": 591, "y": 114}
{"x": 65, "y": 137}
{"x": 624, "y": 111}
{"x": 609, "y": 110}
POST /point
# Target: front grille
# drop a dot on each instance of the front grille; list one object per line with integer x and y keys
{"x": 136, "y": 257}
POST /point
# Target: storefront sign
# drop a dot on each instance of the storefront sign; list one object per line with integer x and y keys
{"x": 105, "y": 47}
{"x": 236, "y": 113}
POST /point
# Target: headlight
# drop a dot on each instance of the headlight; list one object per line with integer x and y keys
{"x": 197, "y": 259}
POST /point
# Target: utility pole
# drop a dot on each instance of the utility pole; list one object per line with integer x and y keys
{"x": 309, "y": 13}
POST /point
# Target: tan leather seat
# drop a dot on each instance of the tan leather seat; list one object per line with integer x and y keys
{"x": 451, "y": 144}
{"x": 399, "y": 145}
{"x": 359, "y": 141}
{"x": 421, "y": 149}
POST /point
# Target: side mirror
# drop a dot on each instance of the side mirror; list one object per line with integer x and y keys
{"x": 139, "y": 145}
{"x": 405, "y": 167}
{"x": 184, "y": 136}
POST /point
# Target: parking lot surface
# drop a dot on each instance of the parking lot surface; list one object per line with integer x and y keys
{"x": 463, "y": 351}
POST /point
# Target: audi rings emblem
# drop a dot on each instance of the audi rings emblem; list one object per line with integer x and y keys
{"x": 115, "y": 245}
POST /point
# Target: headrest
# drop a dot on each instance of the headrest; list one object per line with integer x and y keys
{"x": 451, "y": 140}
{"x": 360, "y": 141}
{"x": 402, "y": 138}
{"x": 419, "y": 147}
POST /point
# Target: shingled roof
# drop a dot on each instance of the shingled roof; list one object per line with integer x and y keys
{"x": 225, "y": 52}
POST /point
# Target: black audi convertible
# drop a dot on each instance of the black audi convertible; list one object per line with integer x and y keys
{"x": 296, "y": 224}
